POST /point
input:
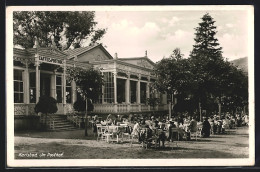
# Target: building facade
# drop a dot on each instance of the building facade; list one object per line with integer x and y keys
{"x": 42, "y": 71}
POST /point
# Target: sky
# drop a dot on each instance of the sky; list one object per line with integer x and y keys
{"x": 131, "y": 33}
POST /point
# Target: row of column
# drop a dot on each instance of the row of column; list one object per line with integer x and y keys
{"x": 127, "y": 91}
{"x": 53, "y": 84}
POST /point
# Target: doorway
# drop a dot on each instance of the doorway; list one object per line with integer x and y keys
{"x": 45, "y": 84}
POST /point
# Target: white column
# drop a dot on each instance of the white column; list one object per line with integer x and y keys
{"x": 64, "y": 87}
{"x": 127, "y": 91}
{"x": 37, "y": 75}
{"x": 103, "y": 92}
{"x": 53, "y": 86}
{"x": 139, "y": 93}
{"x": 115, "y": 91}
{"x": 26, "y": 89}
{"x": 73, "y": 92}
{"x": 148, "y": 92}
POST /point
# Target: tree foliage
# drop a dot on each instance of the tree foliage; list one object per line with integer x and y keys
{"x": 89, "y": 82}
{"x": 80, "y": 105}
{"x": 68, "y": 29}
{"x": 173, "y": 74}
{"x": 204, "y": 78}
{"x": 206, "y": 45}
{"x": 153, "y": 101}
{"x": 215, "y": 76}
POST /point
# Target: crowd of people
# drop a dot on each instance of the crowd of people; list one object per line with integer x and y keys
{"x": 161, "y": 127}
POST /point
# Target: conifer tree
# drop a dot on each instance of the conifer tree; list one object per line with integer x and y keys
{"x": 206, "y": 45}
{"x": 207, "y": 61}
{"x": 214, "y": 75}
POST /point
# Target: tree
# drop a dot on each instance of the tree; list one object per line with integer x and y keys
{"x": 69, "y": 29}
{"x": 46, "y": 105}
{"x": 153, "y": 101}
{"x": 214, "y": 75}
{"x": 89, "y": 84}
{"x": 174, "y": 75}
{"x": 80, "y": 105}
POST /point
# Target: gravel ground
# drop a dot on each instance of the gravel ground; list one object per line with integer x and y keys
{"x": 74, "y": 145}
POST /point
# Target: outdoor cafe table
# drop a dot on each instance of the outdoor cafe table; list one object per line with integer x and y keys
{"x": 114, "y": 129}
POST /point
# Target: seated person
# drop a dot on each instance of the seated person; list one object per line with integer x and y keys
{"x": 161, "y": 137}
{"x": 193, "y": 125}
{"x": 219, "y": 126}
{"x": 156, "y": 123}
{"x": 109, "y": 121}
{"x": 169, "y": 132}
{"x": 136, "y": 130}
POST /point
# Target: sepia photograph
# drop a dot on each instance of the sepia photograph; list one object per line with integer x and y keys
{"x": 100, "y": 86}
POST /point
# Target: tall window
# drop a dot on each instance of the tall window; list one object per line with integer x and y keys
{"x": 68, "y": 92}
{"x": 18, "y": 86}
{"x": 108, "y": 87}
{"x": 143, "y": 92}
{"x": 58, "y": 89}
{"x": 32, "y": 87}
{"x": 121, "y": 90}
{"x": 133, "y": 91}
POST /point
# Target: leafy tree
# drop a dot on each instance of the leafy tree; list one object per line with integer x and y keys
{"x": 80, "y": 105}
{"x": 69, "y": 29}
{"x": 174, "y": 75}
{"x": 89, "y": 84}
{"x": 216, "y": 77}
{"x": 153, "y": 101}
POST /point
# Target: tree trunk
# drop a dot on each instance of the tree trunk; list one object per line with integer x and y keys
{"x": 86, "y": 118}
{"x": 219, "y": 110}
{"x": 200, "y": 111}
{"x": 170, "y": 109}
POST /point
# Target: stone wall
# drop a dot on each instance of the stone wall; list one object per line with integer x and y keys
{"x": 24, "y": 122}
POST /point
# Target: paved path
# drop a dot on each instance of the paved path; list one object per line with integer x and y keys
{"x": 73, "y": 144}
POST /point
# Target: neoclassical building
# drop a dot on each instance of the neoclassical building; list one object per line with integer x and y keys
{"x": 42, "y": 71}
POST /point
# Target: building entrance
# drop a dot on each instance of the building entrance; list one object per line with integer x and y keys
{"x": 45, "y": 84}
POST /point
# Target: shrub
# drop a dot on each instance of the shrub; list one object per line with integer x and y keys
{"x": 46, "y": 105}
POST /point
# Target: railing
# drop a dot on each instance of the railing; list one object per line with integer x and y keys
{"x": 51, "y": 122}
{"x": 104, "y": 108}
{"x": 24, "y": 109}
{"x": 122, "y": 108}
{"x": 134, "y": 107}
{"x": 48, "y": 120}
{"x": 163, "y": 107}
{"x": 75, "y": 119}
{"x": 144, "y": 108}
{"x": 111, "y": 108}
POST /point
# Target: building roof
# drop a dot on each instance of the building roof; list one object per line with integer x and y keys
{"x": 78, "y": 51}
{"x": 137, "y": 58}
{"x": 21, "y": 52}
{"x": 48, "y": 52}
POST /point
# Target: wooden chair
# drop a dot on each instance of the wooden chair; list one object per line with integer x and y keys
{"x": 126, "y": 134}
{"x": 176, "y": 131}
{"x": 107, "y": 133}
{"x": 100, "y": 132}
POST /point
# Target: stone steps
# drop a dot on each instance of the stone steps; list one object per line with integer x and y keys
{"x": 61, "y": 123}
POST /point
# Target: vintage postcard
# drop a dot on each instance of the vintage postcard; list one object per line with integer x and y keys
{"x": 132, "y": 86}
